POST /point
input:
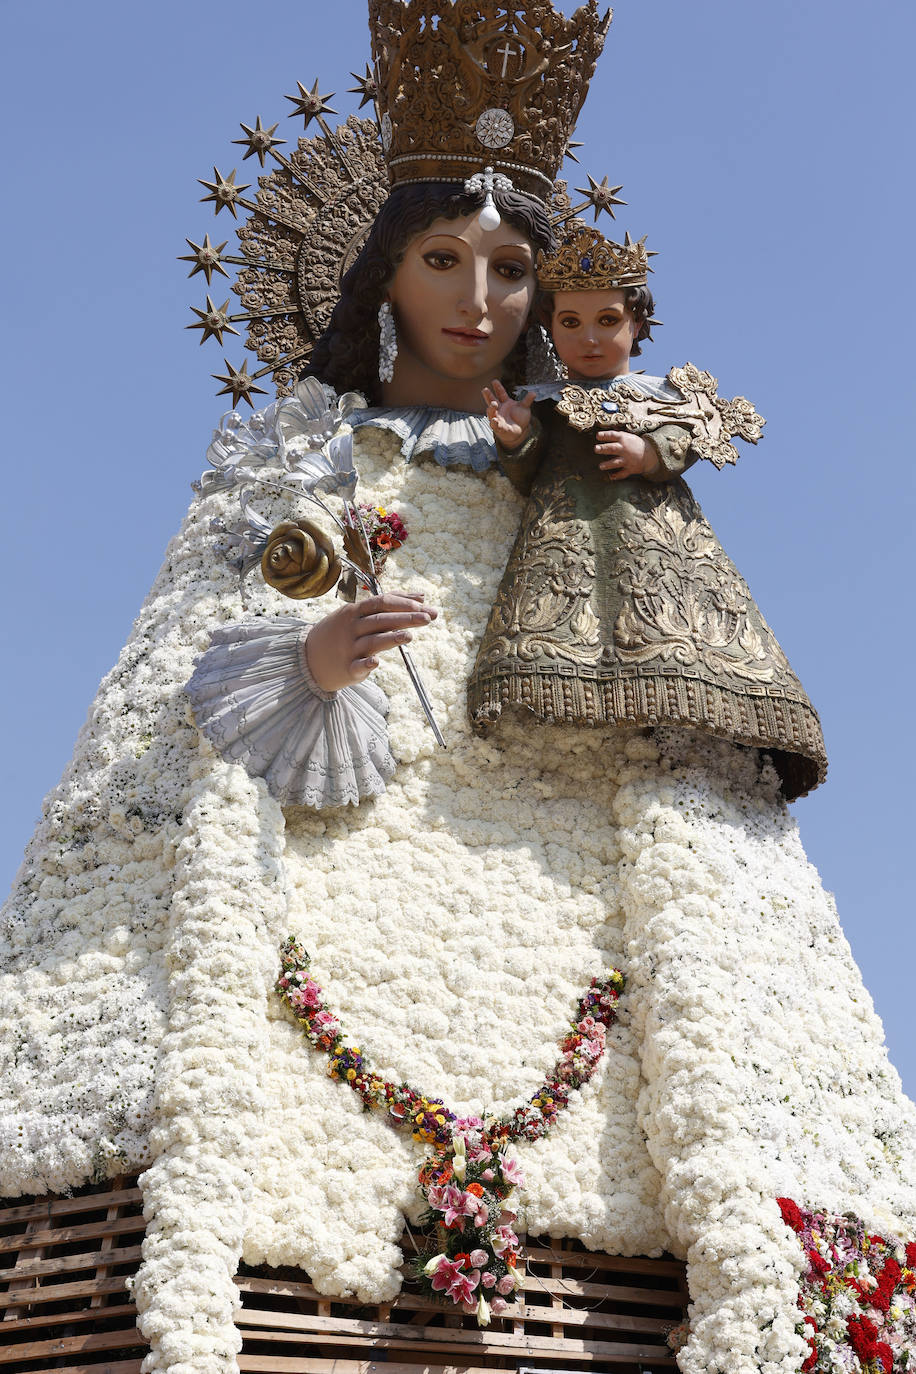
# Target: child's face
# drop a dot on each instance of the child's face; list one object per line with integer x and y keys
{"x": 593, "y": 332}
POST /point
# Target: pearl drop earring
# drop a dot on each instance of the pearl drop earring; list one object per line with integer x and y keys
{"x": 387, "y": 342}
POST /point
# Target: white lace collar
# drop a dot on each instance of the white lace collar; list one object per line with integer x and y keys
{"x": 449, "y": 437}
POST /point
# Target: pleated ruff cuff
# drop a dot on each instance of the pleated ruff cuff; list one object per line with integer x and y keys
{"x": 255, "y": 700}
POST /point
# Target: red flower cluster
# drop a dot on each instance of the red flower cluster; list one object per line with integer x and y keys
{"x": 791, "y": 1213}
{"x": 844, "y": 1259}
{"x": 888, "y": 1279}
{"x": 863, "y": 1337}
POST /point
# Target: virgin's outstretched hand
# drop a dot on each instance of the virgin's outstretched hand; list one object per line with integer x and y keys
{"x": 343, "y": 648}
{"x": 509, "y": 419}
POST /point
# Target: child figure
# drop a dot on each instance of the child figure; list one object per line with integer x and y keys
{"x": 596, "y": 321}
{"x": 618, "y": 604}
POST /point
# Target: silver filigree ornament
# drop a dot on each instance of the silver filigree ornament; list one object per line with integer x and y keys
{"x": 386, "y": 131}
{"x": 300, "y": 436}
{"x": 488, "y": 181}
{"x": 495, "y": 128}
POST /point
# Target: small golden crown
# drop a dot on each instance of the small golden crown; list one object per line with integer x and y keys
{"x": 465, "y": 85}
{"x": 587, "y": 261}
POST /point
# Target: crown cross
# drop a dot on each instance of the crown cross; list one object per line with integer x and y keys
{"x": 511, "y": 51}
{"x": 469, "y": 84}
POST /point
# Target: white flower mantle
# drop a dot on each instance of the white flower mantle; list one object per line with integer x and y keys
{"x": 483, "y": 889}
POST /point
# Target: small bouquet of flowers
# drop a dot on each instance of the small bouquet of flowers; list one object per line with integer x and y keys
{"x": 471, "y": 1186}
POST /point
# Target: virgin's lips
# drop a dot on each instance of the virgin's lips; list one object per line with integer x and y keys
{"x": 470, "y": 336}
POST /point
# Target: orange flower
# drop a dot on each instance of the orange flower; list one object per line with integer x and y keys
{"x": 475, "y": 1188}
{"x": 434, "y": 1171}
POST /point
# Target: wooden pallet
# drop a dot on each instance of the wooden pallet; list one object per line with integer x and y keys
{"x": 64, "y": 1265}
{"x": 65, "y": 1306}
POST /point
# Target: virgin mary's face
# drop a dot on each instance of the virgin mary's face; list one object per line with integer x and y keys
{"x": 461, "y": 297}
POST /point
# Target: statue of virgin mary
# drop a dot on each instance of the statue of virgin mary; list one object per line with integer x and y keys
{"x": 251, "y": 775}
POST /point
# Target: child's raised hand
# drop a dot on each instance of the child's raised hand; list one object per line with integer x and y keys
{"x": 509, "y": 419}
{"x": 627, "y": 455}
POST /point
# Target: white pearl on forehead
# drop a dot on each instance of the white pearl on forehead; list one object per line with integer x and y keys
{"x": 489, "y": 217}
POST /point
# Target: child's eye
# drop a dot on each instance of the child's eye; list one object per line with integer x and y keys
{"x": 609, "y": 321}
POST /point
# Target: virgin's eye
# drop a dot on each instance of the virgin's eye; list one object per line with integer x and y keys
{"x": 512, "y": 271}
{"x": 440, "y": 261}
{"x": 568, "y": 322}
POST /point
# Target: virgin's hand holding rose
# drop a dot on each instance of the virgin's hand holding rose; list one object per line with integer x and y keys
{"x": 343, "y": 648}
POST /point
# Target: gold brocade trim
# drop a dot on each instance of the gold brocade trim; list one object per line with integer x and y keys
{"x": 619, "y": 606}
{"x": 586, "y": 261}
{"x": 684, "y": 602}
{"x": 756, "y": 717}
{"x": 711, "y": 420}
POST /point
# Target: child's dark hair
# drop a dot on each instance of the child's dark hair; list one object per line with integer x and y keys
{"x": 346, "y": 355}
{"x": 638, "y": 301}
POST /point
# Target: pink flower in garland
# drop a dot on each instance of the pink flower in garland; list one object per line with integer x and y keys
{"x": 305, "y": 996}
{"x": 466, "y": 1125}
{"x": 456, "y": 1205}
{"x": 511, "y": 1171}
{"x": 326, "y": 1023}
{"x": 504, "y": 1238}
{"x": 435, "y": 1196}
{"x": 447, "y": 1271}
{"x": 461, "y": 1288}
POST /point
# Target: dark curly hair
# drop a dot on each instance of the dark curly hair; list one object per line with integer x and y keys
{"x": 346, "y": 355}
{"x": 638, "y": 301}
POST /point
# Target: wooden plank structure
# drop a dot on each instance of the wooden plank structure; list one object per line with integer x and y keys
{"x": 65, "y": 1306}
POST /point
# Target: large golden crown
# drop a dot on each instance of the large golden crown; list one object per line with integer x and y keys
{"x": 586, "y": 261}
{"x": 469, "y": 84}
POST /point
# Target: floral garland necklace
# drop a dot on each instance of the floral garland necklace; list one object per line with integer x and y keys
{"x": 469, "y": 1180}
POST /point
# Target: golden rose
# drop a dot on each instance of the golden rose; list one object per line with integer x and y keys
{"x": 300, "y": 560}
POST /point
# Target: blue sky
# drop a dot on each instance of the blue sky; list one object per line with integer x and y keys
{"x": 764, "y": 149}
